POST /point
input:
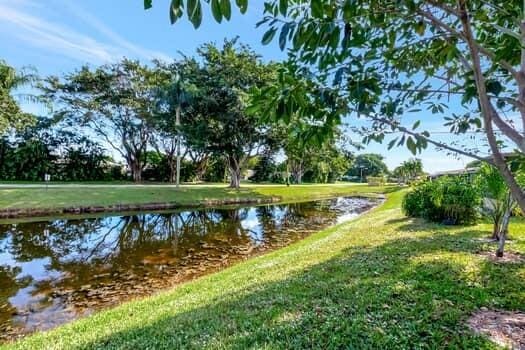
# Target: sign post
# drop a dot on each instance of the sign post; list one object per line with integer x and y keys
{"x": 47, "y": 178}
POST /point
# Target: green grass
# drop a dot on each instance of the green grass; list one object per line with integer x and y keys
{"x": 380, "y": 282}
{"x": 89, "y": 195}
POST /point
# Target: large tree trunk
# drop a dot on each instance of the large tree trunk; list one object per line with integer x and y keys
{"x": 235, "y": 177}
{"x": 298, "y": 171}
{"x": 235, "y": 172}
{"x": 299, "y": 176}
{"x": 201, "y": 168}
{"x": 172, "y": 165}
{"x": 136, "y": 171}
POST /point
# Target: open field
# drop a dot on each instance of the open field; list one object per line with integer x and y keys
{"x": 103, "y": 195}
{"x": 381, "y": 281}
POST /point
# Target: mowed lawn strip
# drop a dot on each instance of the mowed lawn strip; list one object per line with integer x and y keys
{"x": 67, "y": 196}
{"x": 380, "y": 281}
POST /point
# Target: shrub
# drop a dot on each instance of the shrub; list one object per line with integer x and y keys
{"x": 451, "y": 200}
{"x": 376, "y": 180}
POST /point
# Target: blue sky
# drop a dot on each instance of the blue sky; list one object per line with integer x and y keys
{"x": 57, "y": 36}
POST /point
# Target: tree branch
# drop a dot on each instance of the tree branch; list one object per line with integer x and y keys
{"x": 433, "y": 142}
{"x": 444, "y": 26}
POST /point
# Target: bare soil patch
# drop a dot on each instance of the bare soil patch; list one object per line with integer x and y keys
{"x": 505, "y": 328}
{"x": 508, "y": 257}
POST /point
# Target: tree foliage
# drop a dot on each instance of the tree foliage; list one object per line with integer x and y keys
{"x": 409, "y": 170}
{"x": 368, "y": 164}
{"x": 11, "y": 116}
{"x": 217, "y": 121}
{"x": 44, "y": 149}
{"x": 387, "y": 59}
{"x": 115, "y": 101}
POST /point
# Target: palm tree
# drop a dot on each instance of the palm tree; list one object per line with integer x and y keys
{"x": 414, "y": 168}
{"x": 10, "y": 113}
{"x": 498, "y": 203}
{"x": 409, "y": 169}
{"x": 178, "y": 94}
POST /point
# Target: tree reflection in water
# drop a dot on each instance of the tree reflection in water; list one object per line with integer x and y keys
{"x": 55, "y": 271}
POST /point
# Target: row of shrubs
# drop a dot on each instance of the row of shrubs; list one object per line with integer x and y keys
{"x": 450, "y": 200}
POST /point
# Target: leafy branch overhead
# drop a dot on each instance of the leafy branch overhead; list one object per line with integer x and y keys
{"x": 220, "y": 9}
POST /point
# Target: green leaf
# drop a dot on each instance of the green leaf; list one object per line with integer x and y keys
{"x": 339, "y": 75}
{"x": 216, "y": 10}
{"x": 411, "y": 145}
{"x": 392, "y": 143}
{"x": 226, "y": 9}
{"x": 195, "y": 13}
{"x": 283, "y": 7}
{"x": 420, "y": 27}
{"x": 494, "y": 87}
{"x": 416, "y": 124}
{"x": 148, "y": 4}
{"x": 242, "y": 5}
{"x": 268, "y": 36}
{"x": 282, "y": 36}
{"x": 508, "y": 32}
{"x": 316, "y": 7}
{"x": 175, "y": 11}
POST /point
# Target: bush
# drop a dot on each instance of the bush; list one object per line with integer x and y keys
{"x": 376, "y": 180}
{"x": 450, "y": 200}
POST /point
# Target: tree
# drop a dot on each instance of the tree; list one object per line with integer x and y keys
{"x": 369, "y": 164}
{"x": 11, "y": 116}
{"x": 498, "y": 203}
{"x": 409, "y": 170}
{"x": 174, "y": 96}
{"x": 327, "y": 164}
{"x": 44, "y": 148}
{"x": 265, "y": 169}
{"x": 496, "y": 193}
{"x": 83, "y": 160}
{"x": 389, "y": 58}
{"x": 217, "y": 120}
{"x": 115, "y": 101}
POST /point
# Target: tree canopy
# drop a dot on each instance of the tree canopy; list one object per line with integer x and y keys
{"x": 116, "y": 101}
{"x": 409, "y": 170}
{"x": 389, "y": 59}
{"x": 11, "y": 116}
{"x": 368, "y": 164}
{"x": 217, "y": 120}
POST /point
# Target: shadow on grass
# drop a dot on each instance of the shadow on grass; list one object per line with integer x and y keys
{"x": 406, "y": 293}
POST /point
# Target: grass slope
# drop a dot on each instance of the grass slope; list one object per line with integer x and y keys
{"x": 92, "y": 195}
{"x": 381, "y": 281}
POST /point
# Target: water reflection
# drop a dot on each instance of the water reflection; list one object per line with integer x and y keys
{"x": 54, "y": 271}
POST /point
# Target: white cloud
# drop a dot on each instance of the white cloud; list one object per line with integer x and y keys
{"x": 17, "y": 20}
{"x": 88, "y": 18}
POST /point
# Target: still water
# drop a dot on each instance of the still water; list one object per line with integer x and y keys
{"x": 54, "y": 271}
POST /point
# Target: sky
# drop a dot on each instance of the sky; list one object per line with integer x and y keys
{"x": 58, "y": 36}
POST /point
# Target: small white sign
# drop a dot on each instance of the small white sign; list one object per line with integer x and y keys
{"x": 47, "y": 177}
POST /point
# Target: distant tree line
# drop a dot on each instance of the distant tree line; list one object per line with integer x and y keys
{"x": 186, "y": 120}
{"x": 40, "y": 149}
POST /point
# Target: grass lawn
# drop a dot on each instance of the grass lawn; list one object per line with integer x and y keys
{"x": 63, "y": 196}
{"x": 380, "y": 282}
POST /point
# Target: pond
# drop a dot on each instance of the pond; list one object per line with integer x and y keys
{"x": 54, "y": 271}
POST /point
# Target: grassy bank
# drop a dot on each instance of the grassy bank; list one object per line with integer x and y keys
{"x": 71, "y": 196}
{"x": 381, "y": 281}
